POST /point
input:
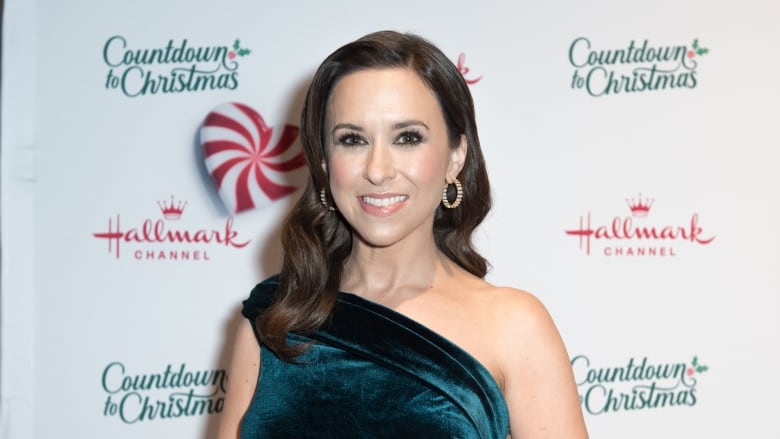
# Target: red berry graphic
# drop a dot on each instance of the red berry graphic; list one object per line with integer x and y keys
{"x": 231, "y": 54}
{"x": 691, "y": 371}
{"x": 691, "y": 53}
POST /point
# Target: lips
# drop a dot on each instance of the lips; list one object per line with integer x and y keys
{"x": 382, "y": 205}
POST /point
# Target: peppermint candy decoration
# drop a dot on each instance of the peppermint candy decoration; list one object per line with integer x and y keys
{"x": 248, "y": 161}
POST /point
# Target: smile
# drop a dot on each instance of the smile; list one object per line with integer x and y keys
{"x": 383, "y": 202}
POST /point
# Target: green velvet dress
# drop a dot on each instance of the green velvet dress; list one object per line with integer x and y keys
{"x": 371, "y": 373}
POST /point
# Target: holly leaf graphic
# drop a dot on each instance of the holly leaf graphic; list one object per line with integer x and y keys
{"x": 236, "y": 45}
{"x": 695, "y": 43}
{"x": 702, "y": 51}
{"x": 244, "y": 52}
{"x": 695, "y": 361}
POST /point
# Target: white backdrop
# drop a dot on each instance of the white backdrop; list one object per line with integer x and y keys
{"x": 644, "y": 218}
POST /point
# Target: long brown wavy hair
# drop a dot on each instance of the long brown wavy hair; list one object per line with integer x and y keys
{"x": 317, "y": 241}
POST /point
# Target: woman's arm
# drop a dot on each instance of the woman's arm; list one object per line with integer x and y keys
{"x": 242, "y": 380}
{"x": 539, "y": 384}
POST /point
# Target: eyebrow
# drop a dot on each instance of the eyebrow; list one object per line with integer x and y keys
{"x": 396, "y": 126}
{"x": 348, "y": 126}
{"x": 409, "y": 123}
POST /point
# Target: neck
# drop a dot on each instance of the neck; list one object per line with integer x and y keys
{"x": 393, "y": 274}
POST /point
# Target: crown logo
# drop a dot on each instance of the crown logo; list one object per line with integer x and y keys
{"x": 640, "y": 207}
{"x": 173, "y": 210}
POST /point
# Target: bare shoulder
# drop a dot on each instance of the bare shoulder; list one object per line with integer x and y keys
{"x": 524, "y": 332}
{"x": 537, "y": 380}
{"x": 514, "y": 300}
{"x": 512, "y": 311}
{"x": 521, "y": 312}
{"x": 506, "y": 315}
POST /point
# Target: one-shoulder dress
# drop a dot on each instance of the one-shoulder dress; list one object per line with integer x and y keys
{"x": 371, "y": 373}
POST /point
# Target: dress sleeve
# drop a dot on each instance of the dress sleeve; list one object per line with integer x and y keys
{"x": 260, "y": 298}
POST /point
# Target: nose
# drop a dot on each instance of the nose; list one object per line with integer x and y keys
{"x": 380, "y": 166}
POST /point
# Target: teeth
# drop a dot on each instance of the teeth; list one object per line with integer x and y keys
{"x": 383, "y": 202}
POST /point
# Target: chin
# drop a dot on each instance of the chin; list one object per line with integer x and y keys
{"x": 377, "y": 240}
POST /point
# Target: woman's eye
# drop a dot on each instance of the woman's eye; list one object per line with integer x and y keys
{"x": 409, "y": 138}
{"x": 351, "y": 140}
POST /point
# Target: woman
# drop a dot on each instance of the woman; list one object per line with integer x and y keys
{"x": 380, "y": 323}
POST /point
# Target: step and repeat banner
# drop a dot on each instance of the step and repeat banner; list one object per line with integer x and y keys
{"x": 633, "y": 151}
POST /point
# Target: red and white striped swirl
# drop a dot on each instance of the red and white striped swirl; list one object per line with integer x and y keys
{"x": 249, "y": 161}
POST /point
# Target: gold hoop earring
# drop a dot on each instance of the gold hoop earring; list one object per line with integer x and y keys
{"x": 324, "y": 200}
{"x": 458, "y": 196}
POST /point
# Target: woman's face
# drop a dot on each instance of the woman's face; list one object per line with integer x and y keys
{"x": 389, "y": 155}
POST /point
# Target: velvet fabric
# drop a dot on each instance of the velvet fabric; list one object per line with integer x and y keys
{"x": 371, "y": 373}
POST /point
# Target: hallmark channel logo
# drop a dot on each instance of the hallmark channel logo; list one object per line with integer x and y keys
{"x": 162, "y": 394}
{"x": 166, "y": 239}
{"x": 636, "y": 385}
{"x": 631, "y": 235}
{"x": 175, "y": 67}
{"x": 635, "y": 67}
{"x": 250, "y": 163}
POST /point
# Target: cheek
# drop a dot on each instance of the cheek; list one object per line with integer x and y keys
{"x": 429, "y": 170}
{"x": 342, "y": 172}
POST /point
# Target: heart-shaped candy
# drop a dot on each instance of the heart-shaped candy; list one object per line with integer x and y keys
{"x": 249, "y": 162}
